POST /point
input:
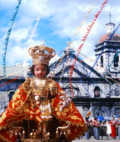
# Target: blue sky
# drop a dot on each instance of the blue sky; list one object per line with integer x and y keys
{"x": 55, "y": 23}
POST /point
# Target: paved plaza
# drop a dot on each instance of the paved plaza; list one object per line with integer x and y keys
{"x": 93, "y": 140}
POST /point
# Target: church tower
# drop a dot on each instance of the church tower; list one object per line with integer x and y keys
{"x": 107, "y": 52}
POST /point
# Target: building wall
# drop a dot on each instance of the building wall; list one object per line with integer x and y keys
{"x": 4, "y": 99}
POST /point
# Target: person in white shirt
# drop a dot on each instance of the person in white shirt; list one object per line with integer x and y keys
{"x": 108, "y": 130}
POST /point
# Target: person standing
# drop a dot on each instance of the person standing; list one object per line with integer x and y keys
{"x": 113, "y": 128}
{"x": 118, "y": 124}
{"x": 108, "y": 129}
{"x": 88, "y": 133}
{"x": 96, "y": 128}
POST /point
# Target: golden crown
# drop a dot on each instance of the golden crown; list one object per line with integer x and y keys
{"x": 41, "y": 54}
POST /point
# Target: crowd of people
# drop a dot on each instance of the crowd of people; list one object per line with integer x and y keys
{"x": 103, "y": 128}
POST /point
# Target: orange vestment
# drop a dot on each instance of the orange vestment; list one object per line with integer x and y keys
{"x": 17, "y": 110}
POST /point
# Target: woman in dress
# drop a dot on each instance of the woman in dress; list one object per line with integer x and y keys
{"x": 39, "y": 109}
{"x": 113, "y": 128}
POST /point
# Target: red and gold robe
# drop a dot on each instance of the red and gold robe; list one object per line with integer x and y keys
{"x": 18, "y": 110}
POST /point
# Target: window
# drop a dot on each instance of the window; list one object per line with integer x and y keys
{"x": 101, "y": 61}
{"x": 97, "y": 91}
{"x": 116, "y": 60}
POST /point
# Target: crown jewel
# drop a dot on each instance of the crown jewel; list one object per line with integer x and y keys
{"x": 41, "y": 54}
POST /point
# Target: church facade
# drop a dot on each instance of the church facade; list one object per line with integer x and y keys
{"x": 96, "y": 90}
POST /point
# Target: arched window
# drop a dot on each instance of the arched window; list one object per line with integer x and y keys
{"x": 101, "y": 61}
{"x": 116, "y": 60}
{"x": 97, "y": 91}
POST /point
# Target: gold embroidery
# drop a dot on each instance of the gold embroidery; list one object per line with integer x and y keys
{"x": 66, "y": 109}
{"x": 45, "y": 87}
{"x": 75, "y": 117}
{"x": 3, "y": 117}
{"x": 63, "y": 113}
{"x": 58, "y": 113}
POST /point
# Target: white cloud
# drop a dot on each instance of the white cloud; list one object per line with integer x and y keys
{"x": 90, "y": 60}
{"x": 18, "y": 54}
{"x": 68, "y": 19}
{"x": 35, "y": 8}
{"x": 19, "y": 34}
{"x": 85, "y": 52}
{"x": 32, "y": 42}
{"x": 75, "y": 45}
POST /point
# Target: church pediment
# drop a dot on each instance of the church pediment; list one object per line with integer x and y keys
{"x": 66, "y": 72}
{"x": 63, "y": 66}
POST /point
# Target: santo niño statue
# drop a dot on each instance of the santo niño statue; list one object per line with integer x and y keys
{"x": 40, "y": 111}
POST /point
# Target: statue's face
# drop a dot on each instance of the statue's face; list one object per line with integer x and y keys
{"x": 40, "y": 71}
